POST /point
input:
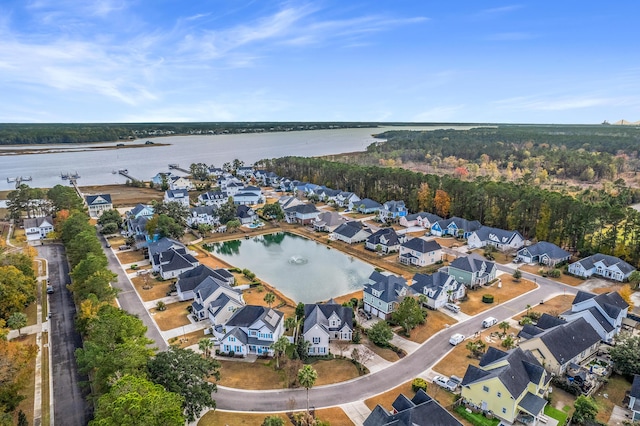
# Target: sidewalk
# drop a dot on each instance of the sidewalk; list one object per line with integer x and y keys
{"x": 356, "y": 411}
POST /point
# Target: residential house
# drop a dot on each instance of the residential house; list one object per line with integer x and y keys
{"x": 603, "y": 265}
{"x": 136, "y": 219}
{"x": 472, "y": 270}
{"x": 543, "y": 253}
{"x": 231, "y": 186}
{"x": 252, "y": 330}
{"x": 328, "y": 221}
{"x": 385, "y": 240}
{"x": 189, "y": 280}
{"x": 634, "y": 398}
{"x": 202, "y": 215}
{"x": 304, "y": 187}
{"x": 177, "y": 195}
{"x": 162, "y": 178}
{"x": 38, "y": 227}
{"x": 216, "y": 171}
{"x": 511, "y": 384}
{"x": 213, "y": 198}
{"x": 455, "y": 226}
{"x": 324, "y": 323}
{"x": 392, "y": 211}
{"x": 326, "y": 194}
{"x": 383, "y": 293}
{"x": 350, "y": 232}
{"x": 604, "y": 312}
{"x": 347, "y": 199}
{"x": 248, "y": 196}
{"x": 245, "y": 171}
{"x": 170, "y": 258}
{"x": 545, "y": 322}
{"x": 498, "y": 238}
{"x": 267, "y": 178}
{"x": 421, "y": 410}
{"x": 439, "y": 288}
{"x": 304, "y": 214}
{"x": 422, "y": 219}
{"x": 246, "y": 215}
{"x": 179, "y": 182}
{"x": 216, "y": 300}
{"x": 368, "y": 206}
{"x": 420, "y": 252}
{"x": 97, "y": 204}
{"x": 287, "y": 201}
{"x": 556, "y": 348}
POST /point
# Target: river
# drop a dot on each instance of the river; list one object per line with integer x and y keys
{"x": 95, "y": 166}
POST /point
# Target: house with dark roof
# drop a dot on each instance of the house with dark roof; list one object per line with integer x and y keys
{"x": 543, "y": 253}
{"x": 170, "y": 258}
{"x": 216, "y": 300}
{"x": 251, "y": 330}
{"x": 496, "y": 237}
{"x": 231, "y": 185}
{"x": 472, "y": 270}
{"x": 350, "y": 232}
{"x": 420, "y": 252}
{"x": 162, "y": 178}
{"x": 347, "y": 199}
{"x": 634, "y": 398}
{"x": 97, "y": 204}
{"x": 383, "y": 293}
{"x": 512, "y": 385}
{"x": 287, "y": 201}
{"x": 367, "y": 206}
{"x": 248, "y": 196}
{"x": 178, "y": 196}
{"x": 421, "y": 410}
{"x": 245, "y": 171}
{"x": 324, "y": 323}
{"x": 556, "y": 348}
{"x": 202, "y": 215}
{"x": 246, "y": 215}
{"x": 37, "y": 228}
{"x": 326, "y": 194}
{"x": 392, "y": 211}
{"x": 455, "y": 226}
{"x": 135, "y": 221}
{"x": 304, "y": 214}
{"x": 328, "y": 221}
{"x": 602, "y": 265}
{"x": 385, "y": 240}
{"x": 213, "y": 198}
{"x": 267, "y": 178}
{"x": 545, "y": 322}
{"x": 439, "y": 288}
{"x": 604, "y": 312}
{"x": 422, "y": 219}
{"x": 189, "y": 280}
{"x": 180, "y": 182}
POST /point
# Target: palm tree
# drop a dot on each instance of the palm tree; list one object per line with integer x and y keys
{"x": 270, "y": 298}
{"x": 307, "y": 377}
{"x": 205, "y": 346}
{"x": 279, "y": 347}
{"x": 504, "y": 326}
{"x": 290, "y": 323}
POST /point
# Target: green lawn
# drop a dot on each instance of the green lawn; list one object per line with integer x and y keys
{"x": 554, "y": 413}
{"x": 477, "y": 419}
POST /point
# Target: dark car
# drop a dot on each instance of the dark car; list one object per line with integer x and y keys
{"x": 49, "y": 289}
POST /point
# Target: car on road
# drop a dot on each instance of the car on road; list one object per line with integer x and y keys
{"x": 50, "y": 289}
{"x": 456, "y": 338}
{"x": 488, "y": 322}
{"x": 452, "y": 307}
{"x": 444, "y": 382}
{"x": 108, "y": 245}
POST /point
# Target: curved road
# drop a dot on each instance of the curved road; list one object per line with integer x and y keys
{"x": 399, "y": 372}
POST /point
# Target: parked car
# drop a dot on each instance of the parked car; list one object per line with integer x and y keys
{"x": 50, "y": 289}
{"x": 124, "y": 247}
{"x": 456, "y": 338}
{"x": 452, "y": 307}
{"x": 443, "y": 381}
{"x": 488, "y": 322}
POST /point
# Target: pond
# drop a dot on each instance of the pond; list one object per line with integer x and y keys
{"x": 301, "y": 269}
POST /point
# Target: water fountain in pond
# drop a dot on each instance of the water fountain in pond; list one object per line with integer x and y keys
{"x": 297, "y": 260}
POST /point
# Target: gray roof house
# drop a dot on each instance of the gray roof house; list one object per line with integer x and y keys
{"x": 496, "y": 237}
{"x": 37, "y": 227}
{"x": 420, "y": 252}
{"x": 604, "y": 312}
{"x": 559, "y": 346}
{"x": 383, "y": 293}
{"x": 246, "y": 215}
{"x": 202, "y": 215}
{"x": 177, "y": 195}
{"x": 215, "y": 299}
{"x": 422, "y": 219}
{"x": 350, "y": 232}
{"x": 328, "y": 221}
{"x": 367, "y": 206}
{"x": 602, "y": 265}
{"x": 347, "y": 199}
{"x": 472, "y": 270}
{"x": 439, "y": 288}
{"x": 98, "y": 204}
{"x": 544, "y": 253}
{"x": 251, "y": 330}
{"x": 545, "y": 322}
{"x": 304, "y": 214}
{"x": 421, "y": 410}
{"x": 213, "y": 198}
{"x": 324, "y": 323}
{"x": 170, "y": 258}
{"x": 386, "y": 240}
{"x": 392, "y": 211}
{"x": 189, "y": 280}
{"x": 455, "y": 226}
{"x": 634, "y": 398}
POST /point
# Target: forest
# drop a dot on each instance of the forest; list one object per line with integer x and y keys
{"x": 593, "y": 222}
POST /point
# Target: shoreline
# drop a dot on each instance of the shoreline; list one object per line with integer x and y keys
{"x": 65, "y": 148}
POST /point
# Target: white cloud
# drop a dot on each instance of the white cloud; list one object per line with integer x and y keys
{"x": 559, "y": 103}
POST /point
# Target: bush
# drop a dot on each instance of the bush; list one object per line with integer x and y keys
{"x": 554, "y": 273}
{"x": 487, "y": 298}
{"x": 419, "y": 383}
{"x": 134, "y": 267}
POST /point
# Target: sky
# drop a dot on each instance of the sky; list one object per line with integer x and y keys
{"x": 536, "y": 61}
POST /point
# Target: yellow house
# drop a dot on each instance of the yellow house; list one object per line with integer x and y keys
{"x": 511, "y": 385}
{"x": 556, "y": 348}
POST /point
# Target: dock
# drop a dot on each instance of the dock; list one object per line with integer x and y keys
{"x": 18, "y": 180}
{"x": 125, "y": 173}
{"x": 177, "y": 167}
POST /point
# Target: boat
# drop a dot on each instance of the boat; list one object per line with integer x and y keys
{"x": 123, "y": 171}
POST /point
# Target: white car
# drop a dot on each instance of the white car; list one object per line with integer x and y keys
{"x": 452, "y": 307}
{"x": 456, "y": 338}
{"x": 444, "y": 382}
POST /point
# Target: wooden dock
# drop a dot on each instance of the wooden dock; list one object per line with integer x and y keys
{"x": 125, "y": 173}
{"x": 177, "y": 167}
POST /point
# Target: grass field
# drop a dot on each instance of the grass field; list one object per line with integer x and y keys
{"x": 125, "y": 196}
{"x": 509, "y": 290}
{"x": 173, "y": 317}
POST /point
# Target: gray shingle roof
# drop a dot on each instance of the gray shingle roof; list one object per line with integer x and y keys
{"x": 320, "y": 314}
{"x": 37, "y": 222}
{"x": 421, "y": 410}
{"x": 568, "y": 340}
{"x": 497, "y": 235}
{"x": 302, "y": 209}
{"x": 189, "y": 280}
{"x": 466, "y": 225}
{"x": 249, "y": 314}
{"x": 98, "y": 199}
{"x": 434, "y": 281}
{"x": 532, "y": 404}
{"x": 389, "y": 286}
{"x": 473, "y": 263}
{"x": 388, "y": 233}
{"x": 430, "y": 216}
{"x": 421, "y": 245}
{"x": 349, "y": 229}
{"x": 635, "y": 386}
{"x": 368, "y": 203}
{"x": 550, "y": 249}
{"x": 609, "y": 261}
{"x": 177, "y": 193}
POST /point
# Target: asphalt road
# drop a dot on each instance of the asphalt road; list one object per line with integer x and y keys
{"x": 400, "y": 372}
{"x": 69, "y": 404}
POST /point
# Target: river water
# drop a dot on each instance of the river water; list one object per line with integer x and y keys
{"x": 95, "y": 167}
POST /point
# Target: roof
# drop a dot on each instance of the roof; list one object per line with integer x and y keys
{"x": 213, "y": 195}
{"x": 389, "y": 234}
{"x": 139, "y": 208}
{"x": 547, "y": 321}
{"x": 320, "y": 313}
{"x": 244, "y": 211}
{"x": 466, "y": 225}
{"x": 368, "y": 203}
{"x": 609, "y": 261}
{"x": 99, "y": 199}
{"x": 37, "y": 222}
{"x": 177, "y": 193}
{"x": 611, "y": 303}
{"x": 250, "y": 314}
{"x": 302, "y": 209}
{"x": 435, "y": 281}
{"x": 388, "y": 286}
{"x": 421, "y": 410}
{"x": 532, "y": 404}
{"x": 394, "y": 206}
{"x": 349, "y": 229}
{"x": 635, "y": 386}
{"x": 163, "y": 244}
{"x": 200, "y": 210}
{"x": 497, "y": 235}
{"x": 550, "y": 249}
{"x": 421, "y": 245}
{"x": 175, "y": 259}
{"x": 330, "y": 219}
{"x": 473, "y": 263}
{"x": 568, "y": 340}
{"x": 429, "y": 216}
{"x": 189, "y": 280}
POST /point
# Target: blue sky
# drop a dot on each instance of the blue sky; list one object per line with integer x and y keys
{"x": 323, "y": 60}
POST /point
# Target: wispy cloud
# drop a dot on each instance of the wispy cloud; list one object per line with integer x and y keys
{"x": 560, "y": 103}
{"x": 496, "y": 12}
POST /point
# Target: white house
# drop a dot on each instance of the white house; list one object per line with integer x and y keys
{"x": 179, "y": 182}
{"x": 216, "y": 300}
{"x": 38, "y": 227}
{"x": 170, "y": 258}
{"x": 383, "y": 293}
{"x": 496, "y": 237}
{"x": 189, "y": 280}
{"x": 324, "y": 323}
{"x": 603, "y": 265}
{"x": 304, "y": 214}
{"x": 544, "y": 253}
{"x": 248, "y": 196}
{"x": 177, "y": 195}
{"x": 202, "y": 215}
{"x": 422, "y": 219}
{"x": 350, "y": 232}
{"x": 420, "y": 252}
{"x": 251, "y": 330}
{"x": 604, "y": 312}
{"x": 328, "y": 221}
{"x": 386, "y": 240}
{"x": 97, "y": 204}
{"x": 439, "y": 288}
{"x": 213, "y": 198}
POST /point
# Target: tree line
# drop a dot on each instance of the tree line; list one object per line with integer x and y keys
{"x": 584, "y": 224}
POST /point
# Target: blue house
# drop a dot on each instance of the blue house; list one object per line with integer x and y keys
{"x": 392, "y": 211}
{"x": 368, "y": 206}
{"x": 455, "y": 226}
